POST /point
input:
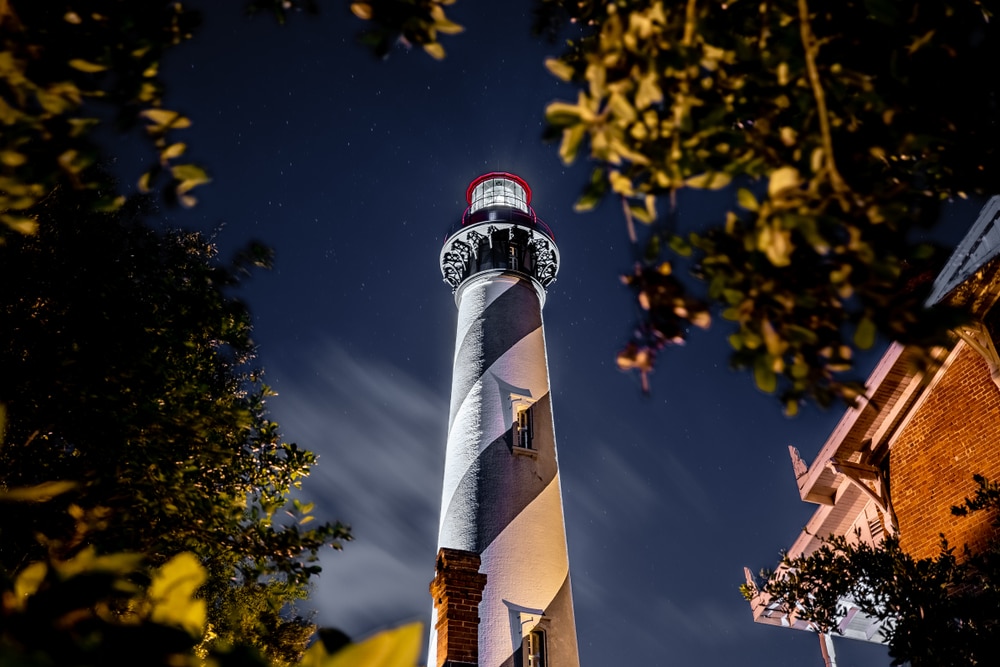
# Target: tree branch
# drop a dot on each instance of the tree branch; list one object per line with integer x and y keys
{"x": 811, "y": 49}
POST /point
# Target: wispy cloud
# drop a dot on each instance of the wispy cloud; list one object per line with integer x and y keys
{"x": 702, "y": 621}
{"x": 380, "y": 435}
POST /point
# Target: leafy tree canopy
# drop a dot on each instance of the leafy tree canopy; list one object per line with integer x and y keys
{"x": 942, "y": 611}
{"x": 841, "y": 128}
{"x": 131, "y": 401}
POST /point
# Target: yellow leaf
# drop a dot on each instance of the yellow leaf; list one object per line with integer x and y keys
{"x": 559, "y": 69}
{"x": 783, "y": 74}
{"x": 919, "y": 42}
{"x": 772, "y": 341}
{"x": 39, "y": 493}
{"x": 164, "y": 118}
{"x": 362, "y": 10}
{"x": 816, "y": 159}
{"x": 80, "y": 126}
{"x": 746, "y": 200}
{"x": 398, "y": 647}
{"x": 190, "y": 176}
{"x": 23, "y": 225}
{"x": 649, "y": 92}
{"x": 88, "y": 561}
{"x": 597, "y": 75}
{"x": 27, "y": 582}
{"x": 564, "y": 113}
{"x": 434, "y": 50}
{"x": 172, "y": 151}
{"x": 143, "y": 183}
{"x": 621, "y": 183}
{"x": 441, "y": 22}
{"x": 86, "y": 66}
{"x": 782, "y": 179}
{"x": 572, "y": 136}
{"x": 776, "y": 243}
{"x": 622, "y": 108}
{"x": 172, "y": 593}
{"x": 711, "y": 180}
{"x": 791, "y": 407}
{"x": 12, "y": 158}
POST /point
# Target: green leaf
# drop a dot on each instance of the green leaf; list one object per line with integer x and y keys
{"x": 864, "y": 337}
{"x": 765, "y": 378}
{"x": 189, "y": 172}
{"x": 588, "y": 201}
{"x": 680, "y": 245}
{"x": 172, "y": 594}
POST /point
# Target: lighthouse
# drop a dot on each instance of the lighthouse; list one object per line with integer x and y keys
{"x": 501, "y": 589}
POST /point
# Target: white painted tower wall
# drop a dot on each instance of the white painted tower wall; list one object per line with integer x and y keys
{"x": 502, "y": 500}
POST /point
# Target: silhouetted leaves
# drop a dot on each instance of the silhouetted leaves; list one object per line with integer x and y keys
{"x": 133, "y": 409}
{"x": 859, "y": 118}
{"x": 940, "y": 612}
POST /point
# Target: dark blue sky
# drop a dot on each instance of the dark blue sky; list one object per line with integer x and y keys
{"x": 353, "y": 169}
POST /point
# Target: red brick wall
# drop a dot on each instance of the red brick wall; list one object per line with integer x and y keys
{"x": 457, "y": 591}
{"x": 954, "y": 435}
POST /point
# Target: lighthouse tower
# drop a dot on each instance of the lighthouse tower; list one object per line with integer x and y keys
{"x": 502, "y": 590}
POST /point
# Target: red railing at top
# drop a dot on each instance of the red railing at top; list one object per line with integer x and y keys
{"x": 499, "y": 174}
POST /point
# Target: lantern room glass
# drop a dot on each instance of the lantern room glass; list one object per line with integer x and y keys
{"x": 498, "y": 192}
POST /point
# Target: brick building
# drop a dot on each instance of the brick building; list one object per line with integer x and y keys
{"x": 899, "y": 461}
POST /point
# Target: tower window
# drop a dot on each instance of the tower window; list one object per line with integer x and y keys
{"x": 535, "y": 649}
{"x": 522, "y": 428}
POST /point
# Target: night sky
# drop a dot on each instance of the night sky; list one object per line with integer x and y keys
{"x": 353, "y": 169}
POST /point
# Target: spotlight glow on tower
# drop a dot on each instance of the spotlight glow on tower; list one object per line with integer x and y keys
{"x": 501, "y": 593}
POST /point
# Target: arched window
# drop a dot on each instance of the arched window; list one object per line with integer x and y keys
{"x": 535, "y": 649}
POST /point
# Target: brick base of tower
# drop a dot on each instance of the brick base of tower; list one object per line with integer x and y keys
{"x": 457, "y": 590}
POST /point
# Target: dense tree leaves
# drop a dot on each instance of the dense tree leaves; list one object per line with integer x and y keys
{"x": 108, "y": 610}
{"x": 126, "y": 372}
{"x": 64, "y": 69}
{"x": 942, "y": 611}
{"x": 855, "y": 119}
